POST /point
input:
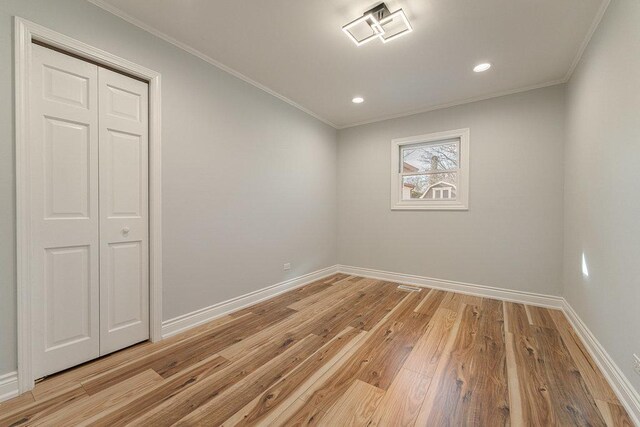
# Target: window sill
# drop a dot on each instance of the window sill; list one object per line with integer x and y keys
{"x": 428, "y": 207}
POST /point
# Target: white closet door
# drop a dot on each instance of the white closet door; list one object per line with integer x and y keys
{"x": 124, "y": 219}
{"x": 63, "y": 152}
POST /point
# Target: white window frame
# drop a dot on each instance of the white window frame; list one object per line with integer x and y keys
{"x": 461, "y": 202}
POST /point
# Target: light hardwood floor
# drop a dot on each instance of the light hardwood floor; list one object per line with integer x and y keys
{"x": 342, "y": 351}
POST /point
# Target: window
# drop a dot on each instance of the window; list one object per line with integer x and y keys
{"x": 430, "y": 171}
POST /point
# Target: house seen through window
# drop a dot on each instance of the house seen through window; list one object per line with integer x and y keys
{"x": 430, "y": 171}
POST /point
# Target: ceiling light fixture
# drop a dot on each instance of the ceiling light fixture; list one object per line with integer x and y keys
{"x": 358, "y": 100}
{"x": 380, "y": 23}
{"x": 482, "y": 67}
{"x": 365, "y": 21}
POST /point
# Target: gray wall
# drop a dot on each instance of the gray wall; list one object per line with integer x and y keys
{"x": 602, "y": 198}
{"x": 249, "y": 182}
{"x": 511, "y": 237}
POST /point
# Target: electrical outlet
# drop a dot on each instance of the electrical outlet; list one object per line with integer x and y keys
{"x": 636, "y": 363}
{"x": 286, "y": 267}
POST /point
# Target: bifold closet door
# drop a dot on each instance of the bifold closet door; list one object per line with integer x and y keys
{"x": 88, "y": 185}
{"x": 64, "y": 263}
{"x": 124, "y": 219}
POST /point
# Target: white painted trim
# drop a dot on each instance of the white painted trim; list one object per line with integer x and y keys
{"x": 462, "y": 191}
{"x": 130, "y": 19}
{"x": 454, "y": 103}
{"x": 628, "y": 396}
{"x": 186, "y": 321}
{"x": 541, "y": 300}
{"x": 8, "y": 386}
{"x": 626, "y": 393}
{"x": 148, "y": 28}
{"x": 25, "y": 33}
{"x": 585, "y": 42}
{"x": 125, "y": 16}
{"x": 565, "y": 79}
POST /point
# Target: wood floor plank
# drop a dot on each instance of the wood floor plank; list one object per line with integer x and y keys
{"x": 298, "y": 410}
{"x": 16, "y": 403}
{"x": 355, "y": 407}
{"x": 426, "y": 354}
{"x": 89, "y": 406}
{"x": 535, "y": 404}
{"x": 338, "y": 290}
{"x": 552, "y": 392}
{"x": 592, "y": 376}
{"x": 187, "y": 355}
{"x": 268, "y": 406}
{"x": 208, "y": 343}
{"x": 300, "y": 413}
{"x": 223, "y": 406}
{"x": 302, "y": 319}
{"x": 431, "y": 302}
{"x": 401, "y": 403}
{"x": 387, "y": 298}
{"x": 39, "y": 409}
{"x": 516, "y": 409}
{"x": 453, "y": 301}
{"x": 470, "y": 383}
{"x": 74, "y": 376}
{"x": 283, "y": 300}
{"x": 200, "y": 393}
{"x": 361, "y": 310}
{"x": 614, "y": 415}
{"x": 572, "y": 402}
{"x": 516, "y": 319}
{"x": 540, "y": 316}
{"x": 338, "y": 277}
{"x": 125, "y": 412}
{"x": 391, "y": 351}
{"x": 343, "y": 350}
{"x": 358, "y": 366}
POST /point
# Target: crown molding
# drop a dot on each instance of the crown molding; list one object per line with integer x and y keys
{"x": 134, "y": 21}
{"x": 583, "y": 46}
{"x": 456, "y": 103}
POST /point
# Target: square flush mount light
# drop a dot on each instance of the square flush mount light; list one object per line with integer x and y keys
{"x": 363, "y": 29}
{"x": 395, "y": 25}
{"x": 379, "y": 23}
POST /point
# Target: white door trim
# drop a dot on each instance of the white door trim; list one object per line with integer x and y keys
{"x": 25, "y": 32}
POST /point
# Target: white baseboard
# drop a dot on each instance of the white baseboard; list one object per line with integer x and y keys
{"x": 198, "y": 317}
{"x": 8, "y": 386}
{"x": 628, "y": 395}
{"x": 460, "y": 287}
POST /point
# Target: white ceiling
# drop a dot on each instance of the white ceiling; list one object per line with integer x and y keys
{"x": 296, "y": 49}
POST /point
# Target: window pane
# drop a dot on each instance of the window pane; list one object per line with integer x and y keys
{"x": 430, "y": 157}
{"x": 433, "y": 186}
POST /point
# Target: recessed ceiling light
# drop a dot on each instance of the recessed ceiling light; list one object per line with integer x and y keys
{"x": 358, "y": 100}
{"x": 482, "y": 67}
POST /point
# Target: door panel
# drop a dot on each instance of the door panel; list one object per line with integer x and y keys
{"x": 125, "y": 170}
{"x": 68, "y": 303}
{"x": 125, "y": 104}
{"x": 67, "y": 169}
{"x": 66, "y": 87}
{"x": 124, "y": 224}
{"x": 126, "y": 286}
{"x": 64, "y": 264}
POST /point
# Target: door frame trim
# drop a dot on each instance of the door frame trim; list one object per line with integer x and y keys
{"x": 24, "y": 33}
